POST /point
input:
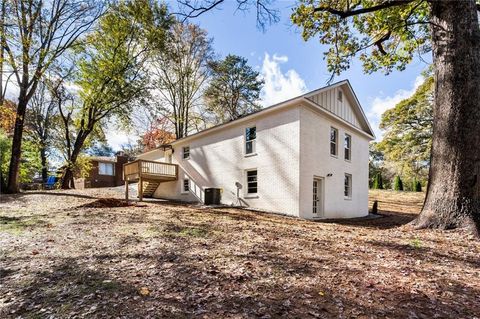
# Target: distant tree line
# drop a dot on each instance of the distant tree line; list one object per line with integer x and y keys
{"x": 401, "y": 160}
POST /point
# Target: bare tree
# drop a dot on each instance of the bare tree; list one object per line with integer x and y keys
{"x": 37, "y": 33}
{"x": 42, "y": 117}
{"x": 265, "y": 13}
{"x": 180, "y": 72}
{"x": 3, "y": 13}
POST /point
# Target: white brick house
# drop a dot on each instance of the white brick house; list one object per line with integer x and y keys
{"x": 305, "y": 157}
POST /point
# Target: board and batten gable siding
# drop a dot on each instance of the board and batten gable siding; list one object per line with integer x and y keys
{"x": 328, "y": 99}
{"x": 316, "y": 161}
{"x": 217, "y": 159}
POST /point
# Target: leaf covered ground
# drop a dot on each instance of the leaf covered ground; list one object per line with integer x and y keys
{"x": 70, "y": 254}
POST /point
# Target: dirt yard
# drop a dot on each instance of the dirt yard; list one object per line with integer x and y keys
{"x": 67, "y": 254}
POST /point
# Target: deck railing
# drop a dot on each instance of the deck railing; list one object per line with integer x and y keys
{"x": 149, "y": 170}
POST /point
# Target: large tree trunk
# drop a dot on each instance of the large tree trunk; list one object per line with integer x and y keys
{"x": 43, "y": 158}
{"x": 14, "y": 168}
{"x": 68, "y": 175}
{"x": 67, "y": 179}
{"x": 453, "y": 193}
{"x": 3, "y": 185}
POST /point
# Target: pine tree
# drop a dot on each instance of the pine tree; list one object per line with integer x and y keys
{"x": 378, "y": 182}
{"x": 417, "y": 187}
{"x": 397, "y": 183}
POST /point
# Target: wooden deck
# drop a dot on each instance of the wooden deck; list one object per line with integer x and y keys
{"x": 142, "y": 171}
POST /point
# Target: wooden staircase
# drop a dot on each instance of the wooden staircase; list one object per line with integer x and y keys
{"x": 149, "y": 175}
{"x": 149, "y": 188}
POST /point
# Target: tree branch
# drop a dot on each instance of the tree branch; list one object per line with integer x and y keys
{"x": 196, "y": 11}
{"x": 349, "y": 12}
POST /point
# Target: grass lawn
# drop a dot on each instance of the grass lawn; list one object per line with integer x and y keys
{"x": 64, "y": 254}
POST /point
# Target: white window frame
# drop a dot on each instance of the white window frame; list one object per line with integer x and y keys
{"x": 347, "y": 188}
{"x": 336, "y": 141}
{"x": 247, "y": 194}
{"x": 106, "y": 163}
{"x": 183, "y": 152}
{"x": 349, "y": 148}
{"x": 340, "y": 95}
{"x": 186, "y": 179}
{"x": 253, "y": 141}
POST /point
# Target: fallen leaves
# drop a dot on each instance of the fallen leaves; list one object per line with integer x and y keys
{"x": 100, "y": 258}
{"x": 144, "y": 291}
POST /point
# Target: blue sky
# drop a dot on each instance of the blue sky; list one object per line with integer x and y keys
{"x": 236, "y": 32}
{"x": 291, "y": 66}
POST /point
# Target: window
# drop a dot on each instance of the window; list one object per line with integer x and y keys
{"x": 333, "y": 141}
{"x": 250, "y": 137}
{"x": 252, "y": 182}
{"x": 348, "y": 147}
{"x": 186, "y": 185}
{"x": 348, "y": 186}
{"x": 186, "y": 152}
{"x": 105, "y": 169}
{"x": 340, "y": 96}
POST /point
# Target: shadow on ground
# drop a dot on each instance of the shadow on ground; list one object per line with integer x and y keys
{"x": 386, "y": 220}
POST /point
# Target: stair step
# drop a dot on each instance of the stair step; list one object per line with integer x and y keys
{"x": 149, "y": 188}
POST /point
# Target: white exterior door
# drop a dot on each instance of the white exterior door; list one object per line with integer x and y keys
{"x": 317, "y": 200}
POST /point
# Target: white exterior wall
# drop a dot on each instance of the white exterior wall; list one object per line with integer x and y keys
{"x": 217, "y": 159}
{"x": 292, "y": 148}
{"x": 315, "y": 160}
{"x": 155, "y": 155}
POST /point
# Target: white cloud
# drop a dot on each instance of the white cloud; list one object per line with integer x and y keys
{"x": 12, "y": 89}
{"x": 117, "y": 137}
{"x": 380, "y": 104}
{"x": 279, "y": 86}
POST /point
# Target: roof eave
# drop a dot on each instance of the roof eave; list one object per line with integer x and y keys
{"x": 272, "y": 108}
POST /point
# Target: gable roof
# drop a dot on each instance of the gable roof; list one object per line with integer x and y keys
{"x": 356, "y": 117}
{"x": 364, "y": 128}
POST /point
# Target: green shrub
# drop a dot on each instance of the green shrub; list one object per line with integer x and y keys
{"x": 417, "y": 187}
{"x": 378, "y": 182}
{"x": 397, "y": 183}
{"x": 416, "y": 243}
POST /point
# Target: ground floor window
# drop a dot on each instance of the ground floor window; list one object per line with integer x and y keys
{"x": 105, "y": 169}
{"x": 348, "y": 186}
{"x": 186, "y": 185}
{"x": 252, "y": 181}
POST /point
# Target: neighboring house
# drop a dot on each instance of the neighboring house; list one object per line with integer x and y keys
{"x": 305, "y": 157}
{"x": 106, "y": 171}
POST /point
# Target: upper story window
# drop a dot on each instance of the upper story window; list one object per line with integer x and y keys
{"x": 186, "y": 152}
{"x": 333, "y": 141}
{"x": 106, "y": 169}
{"x": 348, "y": 147}
{"x": 252, "y": 181}
{"x": 250, "y": 140}
{"x": 348, "y": 186}
{"x": 186, "y": 185}
{"x": 340, "y": 96}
